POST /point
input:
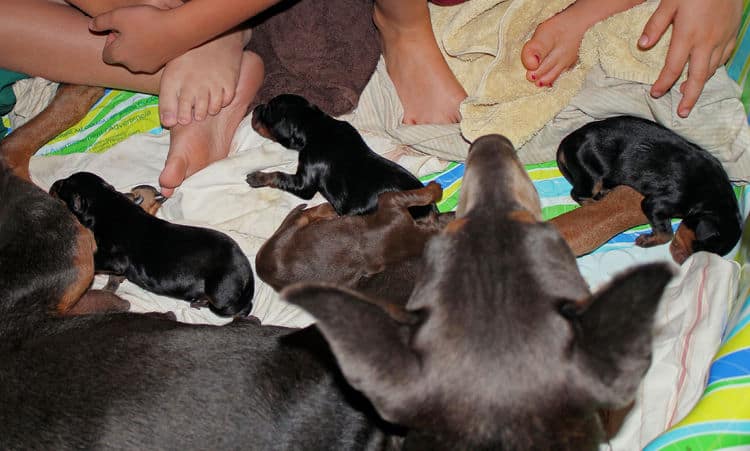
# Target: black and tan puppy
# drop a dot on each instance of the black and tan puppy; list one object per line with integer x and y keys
{"x": 333, "y": 158}
{"x": 199, "y": 265}
{"x": 376, "y": 253}
{"x": 677, "y": 178}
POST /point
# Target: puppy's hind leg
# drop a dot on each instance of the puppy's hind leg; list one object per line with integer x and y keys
{"x": 659, "y": 215}
{"x": 427, "y": 195}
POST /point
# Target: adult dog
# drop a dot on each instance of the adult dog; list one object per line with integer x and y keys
{"x": 490, "y": 308}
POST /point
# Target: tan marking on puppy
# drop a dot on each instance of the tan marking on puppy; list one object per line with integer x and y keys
{"x": 70, "y": 104}
{"x": 98, "y": 301}
{"x": 682, "y": 244}
{"x": 83, "y": 261}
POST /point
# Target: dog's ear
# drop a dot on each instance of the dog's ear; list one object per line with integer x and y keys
{"x": 297, "y": 137}
{"x": 706, "y": 229}
{"x": 614, "y": 332}
{"x": 80, "y": 208}
{"x": 371, "y": 344}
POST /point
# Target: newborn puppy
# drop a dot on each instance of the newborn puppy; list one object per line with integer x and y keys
{"x": 378, "y": 253}
{"x": 199, "y": 265}
{"x": 333, "y": 159}
{"x": 677, "y": 178}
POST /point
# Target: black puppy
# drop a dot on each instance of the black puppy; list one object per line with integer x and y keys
{"x": 200, "y": 265}
{"x": 333, "y": 159}
{"x": 677, "y": 178}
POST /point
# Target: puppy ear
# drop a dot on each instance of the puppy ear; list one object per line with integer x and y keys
{"x": 370, "y": 344}
{"x": 79, "y": 206}
{"x": 706, "y": 229}
{"x": 614, "y": 332}
{"x": 297, "y": 137}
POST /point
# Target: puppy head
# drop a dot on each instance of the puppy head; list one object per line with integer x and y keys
{"x": 501, "y": 345}
{"x": 81, "y": 192}
{"x": 712, "y": 233}
{"x": 286, "y": 119}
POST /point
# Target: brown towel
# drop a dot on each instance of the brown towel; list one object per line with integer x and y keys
{"x": 325, "y": 51}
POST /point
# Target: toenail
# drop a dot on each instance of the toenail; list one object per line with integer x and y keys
{"x": 540, "y": 84}
{"x": 533, "y": 76}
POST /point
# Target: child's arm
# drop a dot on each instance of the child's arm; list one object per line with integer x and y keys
{"x": 703, "y": 33}
{"x": 96, "y": 7}
{"x": 144, "y": 38}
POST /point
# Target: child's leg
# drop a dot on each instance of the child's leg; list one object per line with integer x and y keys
{"x": 196, "y": 145}
{"x": 554, "y": 46}
{"x": 46, "y": 39}
{"x": 425, "y": 84}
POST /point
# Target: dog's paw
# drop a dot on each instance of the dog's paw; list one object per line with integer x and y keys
{"x": 652, "y": 239}
{"x": 258, "y": 179}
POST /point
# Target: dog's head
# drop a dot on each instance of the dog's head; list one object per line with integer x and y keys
{"x": 285, "y": 119}
{"x": 501, "y": 344}
{"x": 82, "y": 192}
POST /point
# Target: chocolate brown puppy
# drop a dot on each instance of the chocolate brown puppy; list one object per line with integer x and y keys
{"x": 333, "y": 159}
{"x": 677, "y": 178}
{"x": 199, "y": 265}
{"x": 317, "y": 245}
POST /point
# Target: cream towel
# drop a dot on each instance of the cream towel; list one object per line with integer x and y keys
{"x": 482, "y": 41}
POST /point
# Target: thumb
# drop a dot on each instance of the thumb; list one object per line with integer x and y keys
{"x": 103, "y": 22}
{"x": 656, "y": 26}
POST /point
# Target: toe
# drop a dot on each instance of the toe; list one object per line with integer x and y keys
{"x": 173, "y": 174}
{"x": 185, "y": 110}
{"x": 531, "y": 55}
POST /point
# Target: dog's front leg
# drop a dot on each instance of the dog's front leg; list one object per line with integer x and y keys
{"x": 302, "y": 184}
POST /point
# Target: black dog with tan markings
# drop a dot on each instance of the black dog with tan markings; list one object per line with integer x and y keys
{"x": 333, "y": 159}
{"x": 677, "y": 178}
{"x": 203, "y": 266}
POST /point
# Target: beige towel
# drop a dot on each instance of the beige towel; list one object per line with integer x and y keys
{"x": 482, "y": 41}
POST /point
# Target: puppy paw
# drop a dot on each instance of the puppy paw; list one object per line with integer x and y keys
{"x": 652, "y": 239}
{"x": 258, "y": 179}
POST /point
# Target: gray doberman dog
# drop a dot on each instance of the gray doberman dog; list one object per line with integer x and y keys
{"x": 501, "y": 345}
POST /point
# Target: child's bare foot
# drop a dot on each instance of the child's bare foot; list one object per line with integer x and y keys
{"x": 429, "y": 92}
{"x": 554, "y": 46}
{"x": 201, "y": 81}
{"x": 196, "y": 145}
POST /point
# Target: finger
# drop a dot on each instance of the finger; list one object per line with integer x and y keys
{"x": 728, "y": 49}
{"x": 698, "y": 72}
{"x": 656, "y": 26}
{"x": 677, "y": 57}
{"x": 103, "y": 22}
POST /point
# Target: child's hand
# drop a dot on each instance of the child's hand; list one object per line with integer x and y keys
{"x": 703, "y": 33}
{"x": 140, "y": 38}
